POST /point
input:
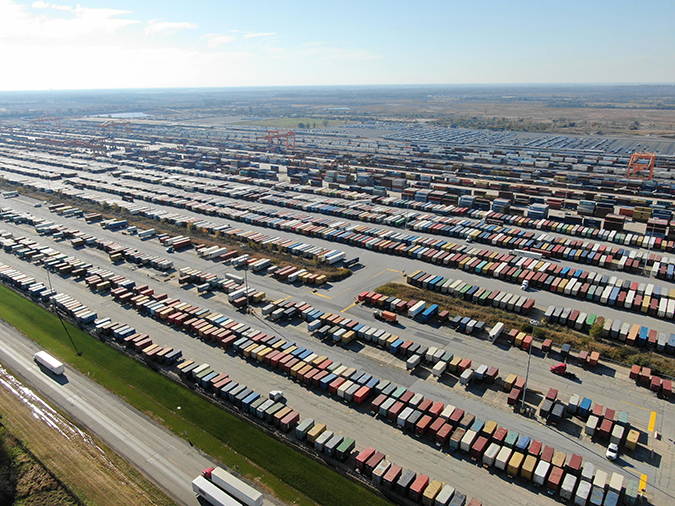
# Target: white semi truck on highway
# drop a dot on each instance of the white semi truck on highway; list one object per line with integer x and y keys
{"x": 48, "y": 362}
{"x": 219, "y": 487}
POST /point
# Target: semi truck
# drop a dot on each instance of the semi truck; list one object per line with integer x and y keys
{"x": 385, "y": 315}
{"x": 233, "y": 486}
{"x": 147, "y": 233}
{"x": 48, "y": 362}
{"x": 524, "y": 253}
{"x": 211, "y": 493}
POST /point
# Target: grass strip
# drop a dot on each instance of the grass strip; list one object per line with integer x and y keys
{"x": 292, "y": 476}
{"x": 560, "y": 335}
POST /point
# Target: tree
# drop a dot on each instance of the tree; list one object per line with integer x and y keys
{"x": 301, "y": 125}
{"x": 596, "y": 329}
{"x": 325, "y": 122}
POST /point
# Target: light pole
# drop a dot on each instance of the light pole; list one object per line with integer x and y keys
{"x": 246, "y": 284}
{"x": 534, "y": 324}
{"x": 649, "y": 248}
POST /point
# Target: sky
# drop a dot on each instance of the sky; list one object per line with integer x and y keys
{"x": 110, "y": 44}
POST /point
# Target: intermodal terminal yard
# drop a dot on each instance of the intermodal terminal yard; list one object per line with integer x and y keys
{"x": 529, "y": 207}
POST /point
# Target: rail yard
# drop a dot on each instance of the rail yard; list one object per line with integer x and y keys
{"x": 446, "y": 316}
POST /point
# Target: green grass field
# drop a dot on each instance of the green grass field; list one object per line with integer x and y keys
{"x": 292, "y": 476}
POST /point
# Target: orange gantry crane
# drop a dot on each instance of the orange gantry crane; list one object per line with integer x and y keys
{"x": 278, "y": 135}
{"x": 42, "y": 120}
{"x": 109, "y": 127}
{"x": 641, "y": 166}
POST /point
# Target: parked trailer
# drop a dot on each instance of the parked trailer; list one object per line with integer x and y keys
{"x": 214, "y": 495}
{"x": 147, "y": 233}
{"x": 48, "y": 362}
{"x": 233, "y": 486}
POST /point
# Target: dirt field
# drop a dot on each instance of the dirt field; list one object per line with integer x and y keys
{"x": 93, "y": 472}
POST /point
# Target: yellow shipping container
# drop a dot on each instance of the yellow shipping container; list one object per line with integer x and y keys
{"x": 529, "y": 466}
{"x": 509, "y": 381}
{"x": 515, "y": 463}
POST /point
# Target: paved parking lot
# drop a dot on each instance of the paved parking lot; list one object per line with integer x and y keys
{"x": 609, "y": 386}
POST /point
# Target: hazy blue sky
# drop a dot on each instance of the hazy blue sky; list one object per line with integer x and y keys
{"x": 150, "y": 43}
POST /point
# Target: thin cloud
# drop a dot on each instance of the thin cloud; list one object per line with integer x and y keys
{"x": 253, "y": 35}
{"x": 214, "y": 39}
{"x": 156, "y": 27}
{"x": 18, "y": 21}
{"x": 45, "y": 5}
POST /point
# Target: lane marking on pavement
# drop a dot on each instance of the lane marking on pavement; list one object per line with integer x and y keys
{"x": 343, "y": 291}
{"x": 643, "y": 482}
{"x": 349, "y": 307}
{"x": 322, "y": 295}
{"x": 376, "y": 275}
{"x": 652, "y": 421}
{"x": 630, "y": 403}
{"x": 286, "y": 298}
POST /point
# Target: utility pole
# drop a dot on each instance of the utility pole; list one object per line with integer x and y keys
{"x": 246, "y": 284}
{"x": 534, "y": 324}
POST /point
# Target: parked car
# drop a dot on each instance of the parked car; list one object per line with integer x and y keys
{"x": 612, "y": 451}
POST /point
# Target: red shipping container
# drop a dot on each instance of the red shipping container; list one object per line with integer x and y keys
{"x": 500, "y": 435}
{"x": 479, "y": 447}
{"x": 634, "y": 372}
{"x": 456, "y": 416}
{"x": 392, "y": 475}
{"x": 436, "y": 426}
{"x": 554, "y": 479}
{"x": 335, "y": 384}
{"x": 375, "y": 405}
{"x": 463, "y": 365}
{"x": 514, "y": 395}
{"x": 361, "y": 394}
{"x": 655, "y": 384}
{"x": 547, "y": 454}
{"x": 363, "y": 456}
{"x": 395, "y": 410}
{"x": 443, "y": 434}
{"x": 418, "y": 486}
{"x": 574, "y": 464}
{"x": 372, "y": 463}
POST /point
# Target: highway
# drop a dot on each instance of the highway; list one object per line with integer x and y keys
{"x": 167, "y": 460}
{"x": 610, "y": 387}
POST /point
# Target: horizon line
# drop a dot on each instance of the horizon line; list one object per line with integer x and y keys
{"x": 287, "y": 86}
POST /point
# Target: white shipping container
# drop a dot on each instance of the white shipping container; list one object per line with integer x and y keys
{"x": 503, "y": 458}
{"x": 583, "y": 492}
{"x": 46, "y": 360}
{"x": 214, "y": 495}
{"x": 235, "y": 487}
{"x": 567, "y": 488}
{"x": 541, "y": 472}
{"x": 491, "y": 454}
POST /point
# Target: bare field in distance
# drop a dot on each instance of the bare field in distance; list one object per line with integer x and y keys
{"x": 565, "y": 109}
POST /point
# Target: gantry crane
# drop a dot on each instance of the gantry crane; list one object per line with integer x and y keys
{"x": 109, "y": 127}
{"x": 42, "y": 120}
{"x": 641, "y": 166}
{"x": 278, "y": 135}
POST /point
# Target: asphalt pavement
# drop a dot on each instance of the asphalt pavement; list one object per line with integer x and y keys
{"x": 167, "y": 460}
{"x": 609, "y": 386}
